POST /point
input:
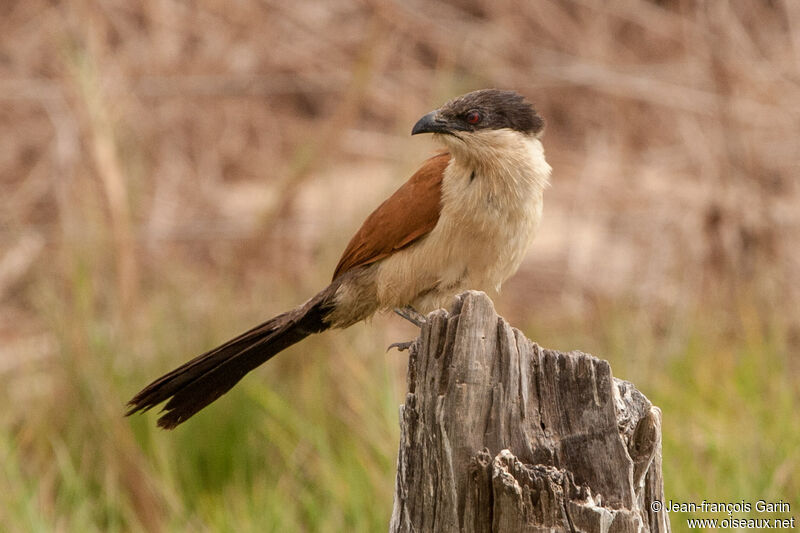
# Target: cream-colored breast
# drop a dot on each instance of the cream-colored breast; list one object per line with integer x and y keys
{"x": 491, "y": 207}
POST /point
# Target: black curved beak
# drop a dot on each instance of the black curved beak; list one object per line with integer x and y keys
{"x": 430, "y": 123}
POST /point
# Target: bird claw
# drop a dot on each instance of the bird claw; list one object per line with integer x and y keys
{"x": 412, "y": 315}
{"x": 401, "y": 346}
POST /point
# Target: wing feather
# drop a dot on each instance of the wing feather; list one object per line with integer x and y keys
{"x": 406, "y": 216}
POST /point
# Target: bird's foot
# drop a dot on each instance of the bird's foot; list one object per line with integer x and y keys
{"x": 412, "y": 315}
{"x": 401, "y": 346}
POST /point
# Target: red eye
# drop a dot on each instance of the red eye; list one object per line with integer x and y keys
{"x": 473, "y": 117}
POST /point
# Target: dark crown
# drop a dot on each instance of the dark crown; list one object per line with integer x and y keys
{"x": 498, "y": 109}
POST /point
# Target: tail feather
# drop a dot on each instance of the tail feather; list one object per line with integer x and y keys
{"x": 195, "y": 384}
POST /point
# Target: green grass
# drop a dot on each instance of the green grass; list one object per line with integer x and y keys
{"x": 731, "y": 431}
{"x": 308, "y": 443}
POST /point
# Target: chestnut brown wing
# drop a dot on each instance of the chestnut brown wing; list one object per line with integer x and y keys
{"x": 407, "y": 215}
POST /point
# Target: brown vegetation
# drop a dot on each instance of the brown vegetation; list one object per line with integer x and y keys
{"x": 672, "y": 128}
{"x": 200, "y": 131}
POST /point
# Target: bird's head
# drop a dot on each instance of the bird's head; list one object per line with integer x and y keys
{"x": 479, "y": 117}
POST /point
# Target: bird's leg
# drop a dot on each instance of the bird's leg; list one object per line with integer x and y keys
{"x": 401, "y": 346}
{"x": 412, "y": 315}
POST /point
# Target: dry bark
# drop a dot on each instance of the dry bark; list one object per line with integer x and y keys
{"x": 501, "y": 435}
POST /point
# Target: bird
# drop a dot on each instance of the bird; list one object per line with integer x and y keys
{"x": 464, "y": 220}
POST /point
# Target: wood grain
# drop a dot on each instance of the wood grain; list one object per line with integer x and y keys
{"x": 501, "y": 435}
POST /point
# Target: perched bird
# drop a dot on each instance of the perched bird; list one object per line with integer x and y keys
{"x": 463, "y": 221}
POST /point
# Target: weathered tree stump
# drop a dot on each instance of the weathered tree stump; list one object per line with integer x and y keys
{"x": 501, "y": 435}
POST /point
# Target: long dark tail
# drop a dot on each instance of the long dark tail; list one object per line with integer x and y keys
{"x": 194, "y": 385}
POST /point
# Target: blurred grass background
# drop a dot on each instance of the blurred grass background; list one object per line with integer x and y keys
{"x": 174, "y": 172}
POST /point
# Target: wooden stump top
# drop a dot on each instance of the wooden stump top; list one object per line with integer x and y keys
{"x": 501, "y": 435}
